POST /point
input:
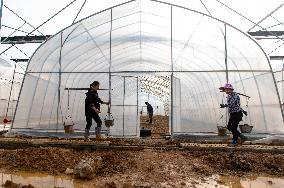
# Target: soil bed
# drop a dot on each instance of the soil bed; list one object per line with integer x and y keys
{"x": 149, "y": 166}
{"x": 146, "y": 166}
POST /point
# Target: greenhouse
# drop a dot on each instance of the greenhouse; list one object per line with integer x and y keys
{"x": 139, "y": 51}
{"x": 10, "y": 83}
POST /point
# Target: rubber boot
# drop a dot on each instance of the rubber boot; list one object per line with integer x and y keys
{"x": 98, "y": 133}
{"x": 233, "y": 143}
{"x": 243, "y": 138}
{"x": 87, "y": 134}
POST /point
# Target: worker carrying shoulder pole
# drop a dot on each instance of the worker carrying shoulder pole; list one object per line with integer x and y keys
{"x": 150, "y": 112}
{"x": 235, "y": 111}
{"x": 92, "y": 110}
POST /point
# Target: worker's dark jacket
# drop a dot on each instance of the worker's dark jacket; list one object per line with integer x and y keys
{"x": 149, "y": 109}
{"x": 92, "y": 99}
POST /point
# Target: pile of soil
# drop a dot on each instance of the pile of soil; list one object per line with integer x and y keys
{"x": 160, "y": 125}
{"x": 146, "y": 167}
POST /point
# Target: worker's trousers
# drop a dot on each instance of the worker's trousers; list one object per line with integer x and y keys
{"x": 150, "y": 117}
{"x": 233, "y": 123}
{"x": 94, "y": 116}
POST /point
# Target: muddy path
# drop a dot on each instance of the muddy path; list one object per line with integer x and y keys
{"x": 146, "y": 166}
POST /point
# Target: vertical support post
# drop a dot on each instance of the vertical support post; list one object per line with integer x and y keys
{"x": 68, "y": 103}
{"x": 137, "y": 103}
{"x": 1, "y": 8}
{"x": 109, "y": 70}
{"x": 123, "y": 106}
{"x": 140, "y": 32}
{"x": 59, "y": 81}
{"x": 226, "y": 57}
{"x": 226, "y": 64}
{"x": 172, "y": 69}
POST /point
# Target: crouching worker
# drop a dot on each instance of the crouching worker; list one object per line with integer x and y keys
{"x": 92, "y": 110}
{"x": 235, "y": 111}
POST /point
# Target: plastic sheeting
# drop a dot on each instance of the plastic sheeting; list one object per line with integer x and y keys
{"x": 9, "y": 88}
{"x": 148, "y": 39}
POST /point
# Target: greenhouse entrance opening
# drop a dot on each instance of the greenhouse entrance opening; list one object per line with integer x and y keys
{"x": 162, "y": 92}
{"x": 124, "y": 105}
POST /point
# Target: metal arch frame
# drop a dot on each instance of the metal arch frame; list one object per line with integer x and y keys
{"x": 172, "y": 5}
{"x": 100, "y": 58}
{"x": 267, "y": 58}
{"x": 62, "y": 42}
{"x": 119, "y": 58}
{"x": 117, "y": 45}
{"x": 157, "y": 2}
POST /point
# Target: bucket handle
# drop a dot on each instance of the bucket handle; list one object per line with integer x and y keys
{"x": 108, "y": 108}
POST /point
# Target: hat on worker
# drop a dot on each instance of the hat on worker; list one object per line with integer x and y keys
{"x": 227, "y": 86}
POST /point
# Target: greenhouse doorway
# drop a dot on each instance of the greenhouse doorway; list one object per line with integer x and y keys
{"x": 163, "y": 93}
{"x": 124, "y": 106}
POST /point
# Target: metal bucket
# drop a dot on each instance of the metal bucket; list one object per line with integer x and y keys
{"x": 246, "y": 128}
{"x": 68, "y": 129}
{"x": 109, "y": 122}
{"x": 222, "y": 131}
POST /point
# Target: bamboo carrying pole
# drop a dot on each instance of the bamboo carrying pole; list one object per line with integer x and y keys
{"x": 222, "y": 90}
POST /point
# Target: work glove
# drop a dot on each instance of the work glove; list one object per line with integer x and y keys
{"x": 223, "y": 105}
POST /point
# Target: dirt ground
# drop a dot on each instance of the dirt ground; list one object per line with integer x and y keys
{"x": 160, "y": 125}
{"x": 149, "y": 167}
